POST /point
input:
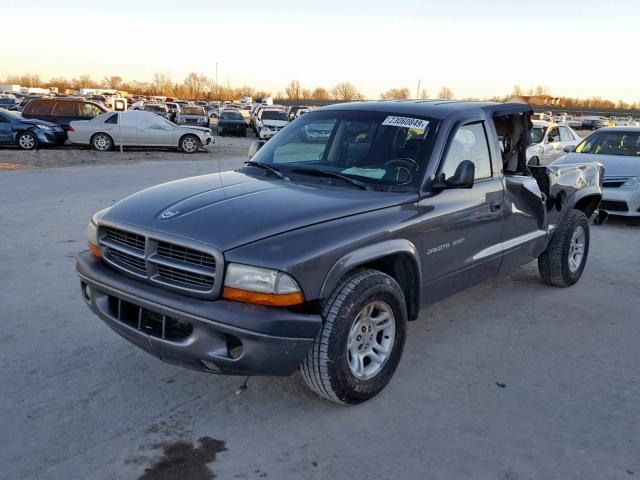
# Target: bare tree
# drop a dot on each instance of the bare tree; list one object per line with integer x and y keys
{"x": 161, "y": 83}
{"x": 294, "y": 90}
{"x": 542, "y": 91}
{"x": 320, "y": 93}
{"x": 445, "y": 93}
{"x": 424, "y": 94}
{"x": 346, "y": 91}
{"x": 396, "y": 94}
{"x": 517, "y": 91}
{"x": 113, "y": 82}
{"x": 85, "y": 81}
{"x": 245, "y": 91}
{"x": 194, "y": 84}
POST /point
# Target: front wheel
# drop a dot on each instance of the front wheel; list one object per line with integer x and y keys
{"x": 563, "y": 262}
{"x": 27, "y": 141}
{"x": 189, "y": 144}
{"x": 360, "y": 343}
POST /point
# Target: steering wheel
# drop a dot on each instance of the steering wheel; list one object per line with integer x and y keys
{"x": 406, "y": 162}
{"x": 402, "y": 166}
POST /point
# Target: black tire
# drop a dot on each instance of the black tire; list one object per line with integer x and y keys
{"x": 326, "y": 369}
{"x": 27, "y": 141}
{"x": 101, "y": 142}
{"x": 189, "y": 144}
{"x": 554, "y": 263}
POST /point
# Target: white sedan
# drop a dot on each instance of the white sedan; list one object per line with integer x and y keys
{"x": 137, "y": 129}
{"x": 548, "y": 141}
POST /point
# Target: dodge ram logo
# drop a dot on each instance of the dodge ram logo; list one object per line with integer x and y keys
{"x": 169, "y": 213}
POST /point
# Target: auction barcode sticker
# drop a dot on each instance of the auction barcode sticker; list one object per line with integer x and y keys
{"x": 406, "y": 122}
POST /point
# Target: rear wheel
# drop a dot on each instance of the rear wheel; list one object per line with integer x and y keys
{"x": 101, "y": 142}
{"x": 27, "y": 141}
{"x": 360, "y": 344}
{"x": 189, "y": 144}
{"x": 563, "y": 262}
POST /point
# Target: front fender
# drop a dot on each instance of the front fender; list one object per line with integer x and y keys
{"x": 370, "y": 253}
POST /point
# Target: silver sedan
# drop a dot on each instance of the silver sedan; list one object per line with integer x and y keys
{"x": 618, "y": 149}
{"x": 137, "y": 129}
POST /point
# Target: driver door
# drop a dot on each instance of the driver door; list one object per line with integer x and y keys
{"x": 462, "y": 227}
{"x": 154, "y": 131}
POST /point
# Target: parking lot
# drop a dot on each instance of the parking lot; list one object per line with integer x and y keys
{"x": 508, "y": 380}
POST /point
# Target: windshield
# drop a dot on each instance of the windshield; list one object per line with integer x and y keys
{"x": 192, "y": 111}
{"x": 274, "y": 115}
{"x": 374, "y": 147}
{"x": 537, "y": 134}
{"x": 611, "y": 143}
{"x": 155, "y": 108}
{"x": 231, "y": 116}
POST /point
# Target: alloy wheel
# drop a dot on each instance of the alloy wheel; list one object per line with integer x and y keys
{"x": 370, "y": 340}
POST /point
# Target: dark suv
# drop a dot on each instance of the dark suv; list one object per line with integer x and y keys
{"x": 335, "y": 233}
{"x": 62, "y": 110}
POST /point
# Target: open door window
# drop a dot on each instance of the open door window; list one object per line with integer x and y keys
{"x": 513, "y": 126}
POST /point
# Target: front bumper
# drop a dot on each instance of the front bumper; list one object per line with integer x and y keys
{"x": 213, "y": 336}
{"x": 624, "y": 201}
{"x": 51, "y": 137}
{"x": 266, "y": 134}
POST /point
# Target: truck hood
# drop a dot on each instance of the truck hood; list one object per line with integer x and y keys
{"x": 614, "y": 165}
{"x": 231, "y": 209}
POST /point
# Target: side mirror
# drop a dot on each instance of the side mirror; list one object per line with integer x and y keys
{"x": 569, "y": 148}
{"x": 255, "y": 146}
{"x": 462, "y": 178}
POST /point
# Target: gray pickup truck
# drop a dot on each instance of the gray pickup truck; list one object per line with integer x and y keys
{"x": 334, "y": 234}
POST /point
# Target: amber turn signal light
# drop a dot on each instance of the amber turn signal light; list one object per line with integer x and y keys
{"x": 266, "y": 299}
{"x": 95, "y": 250}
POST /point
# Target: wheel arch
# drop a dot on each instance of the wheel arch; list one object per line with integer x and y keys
{"x": 397, "y": 258}
{"x": 588, "y": 203}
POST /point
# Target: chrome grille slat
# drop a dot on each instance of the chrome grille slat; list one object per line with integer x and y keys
{"x": 163, "y": 262}
{"x": 191, "y": 268}
{"x": 184, "y": 254}
{"x": 123, "y": 237}
{"x": 194, "y": 279}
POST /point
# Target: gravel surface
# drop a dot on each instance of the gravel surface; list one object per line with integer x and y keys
{"x": 70, "y": 155}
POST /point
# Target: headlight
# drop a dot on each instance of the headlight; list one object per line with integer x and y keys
{"x": 92, "y": 232}
{"x": 43, "y": 127}
{"x": 262, "y": 286}
{"x": 632, "y": 182}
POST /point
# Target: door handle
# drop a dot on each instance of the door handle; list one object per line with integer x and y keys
{"x": 495, "y": 206}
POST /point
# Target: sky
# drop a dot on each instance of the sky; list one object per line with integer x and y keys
{"x": 477, "y": 48}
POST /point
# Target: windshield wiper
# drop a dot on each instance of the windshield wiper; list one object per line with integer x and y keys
{"x": 267, "y": 167}
{"x": 318, "y": 172}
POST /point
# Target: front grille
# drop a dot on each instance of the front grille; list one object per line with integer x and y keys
{"x": 159, "y": 261}
{"x": 188, "y": 255}
{"x": 123, "y": 237}
{"x": 129, "y": 260}
{"x": 188, "y": 278}
{"x": 151, "y": 323}
{"x": 614, "y": 206}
